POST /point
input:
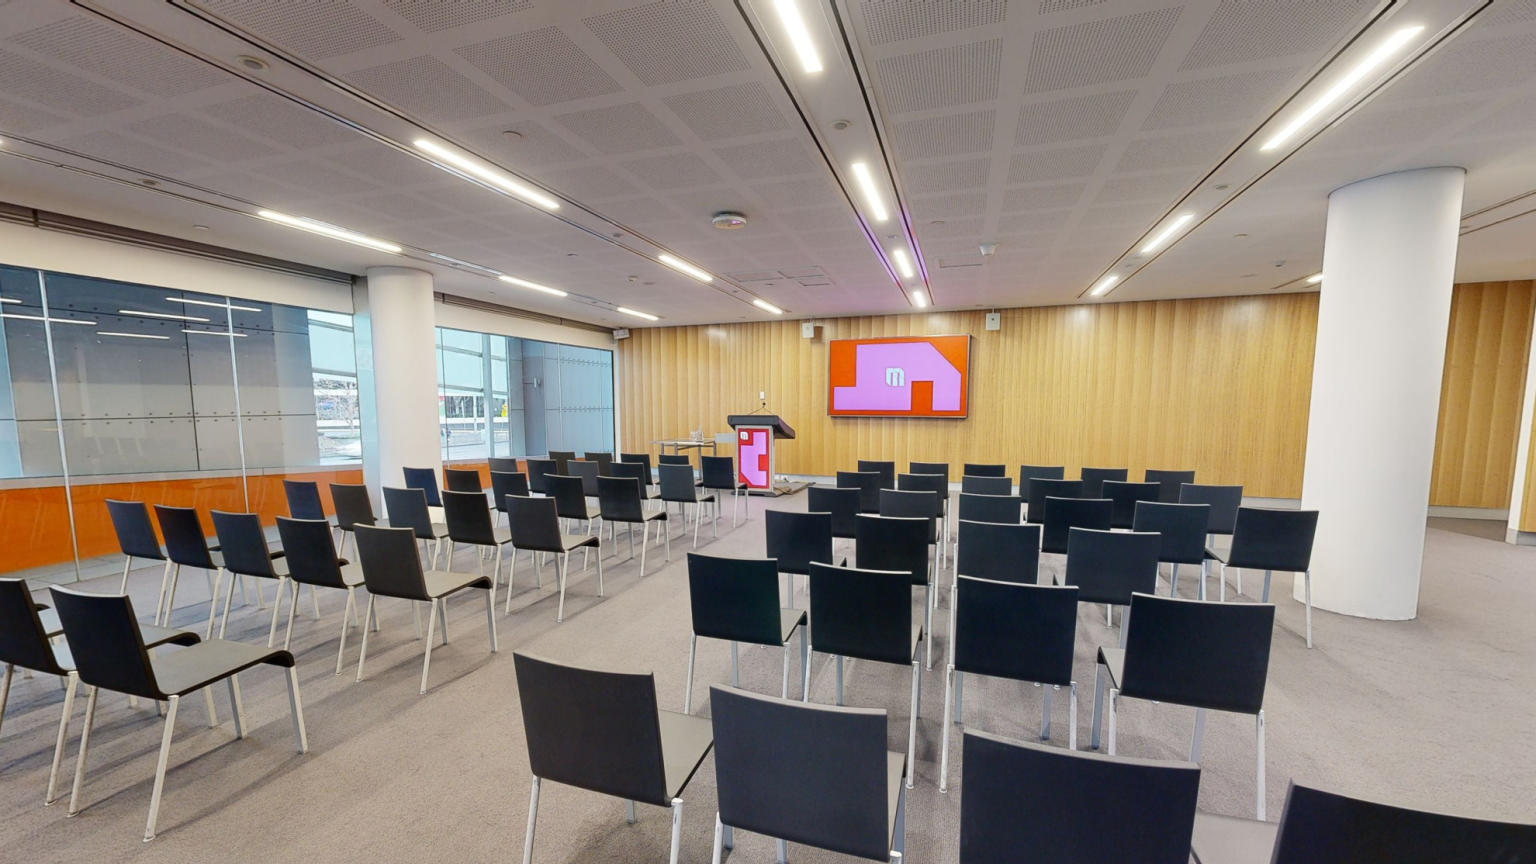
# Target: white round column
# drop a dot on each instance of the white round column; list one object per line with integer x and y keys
{"x": 404, "y": 374}
{"x": 1389, "y": 258}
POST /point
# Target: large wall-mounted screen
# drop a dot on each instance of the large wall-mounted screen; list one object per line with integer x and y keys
{"x": 903, "y": 376}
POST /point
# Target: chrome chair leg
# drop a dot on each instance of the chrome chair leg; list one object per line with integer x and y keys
{"x": 949, "y": 693}
{"x": 73, "y": 681}
{"x": 677, "y": 827}
{"x": 165, "y": 753}
{"x": 1114, "y": 698}
{"x": 533, "y": 818}
{"x": 693, "y": 649}
{"x": 426, "y": 659}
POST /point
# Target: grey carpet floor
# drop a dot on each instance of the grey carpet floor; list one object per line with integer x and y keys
{"x": 1437, "y": 713}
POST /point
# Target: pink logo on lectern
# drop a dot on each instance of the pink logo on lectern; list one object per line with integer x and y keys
{"x": 885, "y": 372}
{"x": 752, "y": 457}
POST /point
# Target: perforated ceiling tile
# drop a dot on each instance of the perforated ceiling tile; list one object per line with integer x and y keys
{"x": 542, "y": 66}
{"x": 893, "y": 20}
{"x": 1059, "y": 120}
{"x": 435, "y": 15}
{"x": 1471, "y": 67}
{"x": 1161, "y": 186}
{"x": 427, "y": 87}
{"x": 623, "y": 128}
{"x": 1040, "y": 220}
{"x": 311, "y": 30}
{"x": 1381, "y": 127}
{"x": 1242, "y": 31}
{"x": 1049, "y": 6}
{"x": 918, "y": 178}
{"x": 1054, "y": 163}
{"x": 387, "y": 165}
{"x": 1122, "y": 215}
{"x": 188, "y": 133}
{"x": 278, "y": 119}
{"x": 672, "y": 171}
{"x": 799, "y": 194}
{"x": 944, "y": 136}
{"x": 1512, "y": 12}
{"x": 669, "y": 41}
{"x": 1041, "y": 197}
{"x": 1095, "y": 52}
{"x": 728, "y": 112}
{"x": 26, "y": 79}
{"x": 948, "y": 206}
{"x": 952, "y": 228}
{"x": 588, "y": 183}
{"x": 120, "y": 55}
{"x": 19, "y": 119}
{"x": 533, "y": 146}
{"x": 314, "y": 177}
{"x": 132, "y": 153}
{"x": 1514, "y": 118}
{"x": 1194, "y": 150}
{"x": 845, "y": 239}
{"x": 773, "y": 158}
{"x": 401, "y": 207}
{"x": 1245, "y": 98}
{"x": 954, "y": 75}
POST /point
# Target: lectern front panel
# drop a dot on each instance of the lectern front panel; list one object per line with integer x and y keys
{"x": 754, "y": 456}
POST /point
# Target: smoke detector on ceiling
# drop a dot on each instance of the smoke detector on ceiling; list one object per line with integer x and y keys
{"x": 728, "y": 220}
{"x": 253, "y": 63}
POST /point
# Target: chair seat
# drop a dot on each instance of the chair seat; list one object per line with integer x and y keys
{"x": 789, "y": 619}
{"x": 896, "y": 768}
{"x": 685, "y": 741}
{"x": 153, "y": 636}
{"x": 197, "y": 666}
{"x": 1231, "y": 840}
{"x": 437, "y": 515}
{"x": 351, "y": 574}
{"x": 917, "y": 635}
{"x": 1212, "y": 555}
{"x": 576, "y": 541}
{"x": 441, "y": 583}
{"x": 1114, "y": 659}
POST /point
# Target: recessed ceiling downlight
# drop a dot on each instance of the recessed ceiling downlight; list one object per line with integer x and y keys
{"x": 253, "y": 63}
{"x": 728, "y": 220}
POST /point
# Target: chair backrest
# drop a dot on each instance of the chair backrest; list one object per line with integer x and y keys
{"x": 892, "y": 543}
{"x": 1123, "y": 496}
{"x": 1073, "y": 807}
{"x": 538, "y": 469}
{"x": 561, "y": 458}
{"x": 1002, "y": 509}
{"x": 1204, "y": 655}
{"x": 980, "y": 484}
{"x": 1030, "y": 473}
{"x": 1064, "y": 514}
{"x": 861, "y": 613}
{"x": 310, "y": 549}
{"x": 735, "y": 598}
{"x": 717, "y": 472}
{"x": 642, "y": 459}
{"x": 185, "y": 541}
{"x": 504, "y": 483}
{"x": 1224, "y": 501}
{"x": 243, "y": 544}
{"x": 1004, "y": 553}
{"x": 1010, "y": 630}
{"x": 570, "y": 495}
{"x": 632, "y": 470}
{"x": 468, "y": 515}
{"x": 1168, "y": 482}
{"x": 353, "y": 506}
{"x": 603, "y": 460}
{"x": 1041, "y": 489}
{"x": 23, "y": 639}
{"x": 502, "y": 464}
{"x": 303, "y": 499}
{"x": 619, "y": 499}
{"x": 674, "y": 459}
{"x": 810, "y": 774}
{"x": 1267, "y": 539}
{"x": 462, "y": 480}
{"x": 591, "y": 729}
{"x": 842, "y": 502}
{"x": 886, "y": 471}
{"x": 535, "y": 523}
{"x": 868, "y": 484}
{"x": 984, "y": 469}
{"x": 916, "y": 505}
{"x": 105, "y": 642}
{"x": 1093, "y": 479}
{"x": 797, "y": 539}
{"x": 1110, "y": 566}
{"x": 1320, "y": 827}
{"x": 424, "y": 479}
{"x": 407, "y": 508}
{"x": 1181, "y": 526}
{"x": 391, "y": 565}
{"x": 938, "y": 484}
{"x": 677, "y": 483}
{"x": 135, "y": 534}
{"x": 939, "y": 468}
{"x": 587, "y": 471}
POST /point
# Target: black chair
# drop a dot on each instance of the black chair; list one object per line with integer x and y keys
{"x": 939, "y": 468}
{"x": 842, "y": 502}
{"x": 136, "y": 537}
{"x": 674, "y": 459}
{"x": 1041, "y": 489}
{"x": 1123, "y": 497}
{"x": 885, "y": 470}
{"x": 303, "y": 499}
{"x": 795, "y": 540}
{"x": 974, "y": 484}
{"x": 1110, "y": 567}
{"x": 641, "y": 459}
{"x": 866, "y": 615}
{"x": 535, "y": 526}
{"x": 1093, "y": 479}
{"x": 619, "y": 501}
{"x": 1002, "y": 553}
{"x": 636, "y": 471}
{"x": 938, "y": 484}
{"x": 815, "y": 775}
{"x": 538, "y": 469}
{"x": 718, "y": 474}
{"x": 503, "y": 465}
{"x": 110, "y": 653}
{"x": 1014, "y": 631}
{"x": 899, "y": 543}
{"x": 26, "y": 641}
{"x": 1064, "y": 514}
{"x": 424, "y": 479}
{"x": 868, "y": 484}
{"x": 504, "y": 483}
{"x": 570, "y": 497}
{"x": 312, "y": 560}
{"x": 604, "y": 462}
{"x": 737, "y": 600}
{"x": 1001, "y": 509}
{"x": 470, "y": 524}
{"x": 1168, "y": 483}
{"x": 1182, "y": 527}
{"x": 1223, "y": 500}
{"x": 391, "y": 568}
{"x": 1207, "y": 656}
{"x": 601, "y": 731}
{"x": 1270, "y": 540}
{"x": 1072, "y": 808}
{"x": 407, "y": 508}
{"x": 915, "y": 505}
{"x": 587, "y": 471}
{"x": 462, "y": 480}
{"x": 186, "y": 545}
{"x": 1030, "y": 473}
{"x": 561, "y": 458}
{"x": 984, "y": 469}
{"x": 1318, "y": 827}
{"x": 243, "y": 547}
{"x": 677, "y": 487}
{"x": 354, "y": 508}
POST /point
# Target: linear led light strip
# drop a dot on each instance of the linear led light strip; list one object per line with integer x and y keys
{"x": 481, "y": 171}
{"x": 1383, "y": 52}
{"x": 130, "y": 335}
{"x": 50, "y": 320}
{"x": 903, "y": 263}
{"x": 329, "y": 230}
{"x": 1104, "y": 285}
{"x": 524, "y": 283}
{"x": 871, "y": 191}
{"x": 637, "y": 313}
{"x": 799, "y": 35}
{"x": 766, "y": 306}
{"x": 1162, "y": 237}
{"x": 1314, "y": 278}
{"x": 684, "y": 267}
{"x": 213, "y": 304}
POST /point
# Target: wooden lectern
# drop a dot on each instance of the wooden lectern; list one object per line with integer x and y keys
{"x": 755, "y": 434}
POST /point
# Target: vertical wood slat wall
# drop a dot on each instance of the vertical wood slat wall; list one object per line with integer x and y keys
{"x": 1220, "y": 385}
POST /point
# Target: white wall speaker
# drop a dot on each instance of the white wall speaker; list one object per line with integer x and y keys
{"x": 621, "y": 333}
{"x": 807, "y": 330}
{"x": 994, "y": 321}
